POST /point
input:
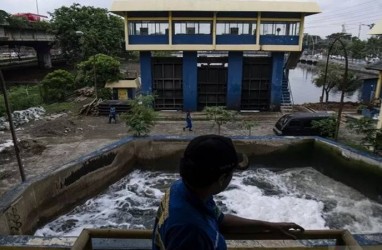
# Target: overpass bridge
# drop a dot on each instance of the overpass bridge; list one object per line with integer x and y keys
{"x": 40, "y": 40}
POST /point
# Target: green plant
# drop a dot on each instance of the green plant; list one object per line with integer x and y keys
{"x": 58, "y": 107}
{"x": 105, "y": 94}
{"x": 21, "y": 97}
{"x": 366, "y": 127}
{"x": 248, "y": 125}
{"x": 103, "y": 32}
{"x": 326, "y": 127}
{"x": 56, "y": 86}
{"x": 360, "y": 108}
{"x": 220, "y": 115}
{"x": 105, "y": 68}
{"x": 141, "y": 116}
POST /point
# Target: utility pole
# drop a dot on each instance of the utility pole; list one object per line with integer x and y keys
{"x": 17, "y": 150}
{"x": 343, "y": 29}
{"x": 37, "y": 6}
{"x": 360, "y": 25}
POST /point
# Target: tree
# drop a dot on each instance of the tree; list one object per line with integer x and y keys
{"x": 374, "y": 47}
{"x": 102, "y": 32}
{"x": 3, "y": 17}
{"x": 56, "y": 86}
{"x": 357, "y": 49}
{"x": 100, "y": 69}
{"x": 334, "y": 79}
{"x": 352, "y": 84}
{"x": 141, "y": 116}
{"x": 219, "y": 115}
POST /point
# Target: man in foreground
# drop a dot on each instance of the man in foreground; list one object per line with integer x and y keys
{"x": 188, "y": 217}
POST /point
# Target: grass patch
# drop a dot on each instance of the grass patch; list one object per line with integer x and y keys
{"x": 60, "y": 107}
{"x": 21, "y": 97}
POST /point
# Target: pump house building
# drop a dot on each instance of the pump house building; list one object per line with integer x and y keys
{"x": 233, "y": 53}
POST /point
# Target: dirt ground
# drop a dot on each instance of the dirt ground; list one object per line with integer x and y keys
{"x": 49, "y": 143}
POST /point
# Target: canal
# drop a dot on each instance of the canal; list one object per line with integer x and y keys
{"x": 304, "y": 90}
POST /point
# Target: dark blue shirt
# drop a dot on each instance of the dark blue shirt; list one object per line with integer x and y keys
{"x": 112, "y": 111}
{"x": 185, "y": 222}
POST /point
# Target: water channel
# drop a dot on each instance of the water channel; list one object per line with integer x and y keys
{"x": 304, "y": 91}
{"x": 301, "y": 195}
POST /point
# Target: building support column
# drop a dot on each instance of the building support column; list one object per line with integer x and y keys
{"x": 378, "y": 87}
{"x": 44, "y": 58}
{"x": 235, "y": 79}
{"x": 146, "y": 72}
{"x": 190, "y": 80}
{"x": 378, "y": 96}
{"x": 277, "y": 78}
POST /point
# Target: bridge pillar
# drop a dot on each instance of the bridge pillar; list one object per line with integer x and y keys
{"x": 43, "y": 56}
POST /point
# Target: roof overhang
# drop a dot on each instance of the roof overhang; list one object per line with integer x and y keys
{"x": 122, "y": 84}
{"x": 377, "y": 29}
{"x": 121, "y": 7}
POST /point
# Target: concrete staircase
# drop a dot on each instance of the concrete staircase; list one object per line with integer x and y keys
{"x": 286, "y": 95}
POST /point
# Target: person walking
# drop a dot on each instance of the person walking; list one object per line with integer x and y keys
{"x": 188, "y": 217}
{"x": 112, "y": 114}
{"x": 188, "y": 122}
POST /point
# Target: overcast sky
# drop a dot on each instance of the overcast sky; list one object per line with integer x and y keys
{"x": 336, "y": 15}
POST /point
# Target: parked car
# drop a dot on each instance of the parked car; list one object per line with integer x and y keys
{"x": 299, "y": 123}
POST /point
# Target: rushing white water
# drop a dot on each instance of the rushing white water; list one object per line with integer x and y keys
{"x": 301, "y": 195}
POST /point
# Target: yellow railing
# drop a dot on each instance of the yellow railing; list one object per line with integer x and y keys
{"x": 343, "y": 238}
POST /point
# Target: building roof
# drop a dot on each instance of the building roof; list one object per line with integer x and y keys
{"x": 375, "y": 66}
{"x": 377, "y": 29}
{"x": 299, "y": 6}
{"x": 122, "y": 84}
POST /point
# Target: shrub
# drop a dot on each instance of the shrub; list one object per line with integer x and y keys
{"x": 56, "y": 86}
{"x": 326, "y": 127}
{"x": 219, "y": 115}
{"x": 371, "y": 135}
{"x": 248, "y": 125}
{"x": 141, "y": 116}
{"x": 105, "y": 94}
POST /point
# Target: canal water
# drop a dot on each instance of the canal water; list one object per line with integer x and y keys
{"x": 301, "y": 195}
{"x": 304, "y": 90}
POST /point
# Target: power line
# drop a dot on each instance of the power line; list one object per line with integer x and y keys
{"x": 369, "y": 14}
{"x": 350, "y": 7}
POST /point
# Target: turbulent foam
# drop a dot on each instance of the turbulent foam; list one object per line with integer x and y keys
{"x": 301, "y": 195}
{"x": 5, "y": 145}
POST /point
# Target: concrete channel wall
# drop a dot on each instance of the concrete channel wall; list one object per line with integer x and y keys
{"x": 39, "y": 200}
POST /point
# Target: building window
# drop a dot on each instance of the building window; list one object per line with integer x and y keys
{"x": 280, "y": 28}
{"x": 192, "y": 28}
{"x": 148, "y": 28}
{"x": 236, "y": 28}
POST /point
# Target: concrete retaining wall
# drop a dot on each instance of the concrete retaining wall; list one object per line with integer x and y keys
{"x": 39, "y": 200}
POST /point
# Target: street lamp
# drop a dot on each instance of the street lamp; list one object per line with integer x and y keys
{"x": 81, "y": 33}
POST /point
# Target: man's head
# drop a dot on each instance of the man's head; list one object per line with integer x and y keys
{"x": 209, "y": 157}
